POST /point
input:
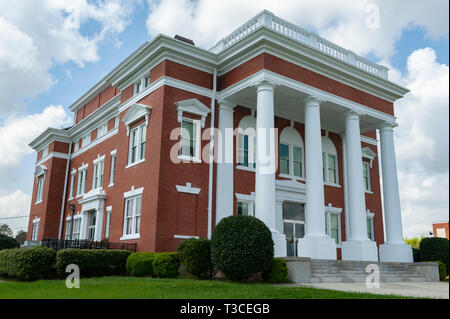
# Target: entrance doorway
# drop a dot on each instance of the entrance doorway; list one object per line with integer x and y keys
{"x": 293, "y": 225}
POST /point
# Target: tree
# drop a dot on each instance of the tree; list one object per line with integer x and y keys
{"x": 414, "y": 242}
{"x": 6, "y": 230}
{"x": 21, "y": 237}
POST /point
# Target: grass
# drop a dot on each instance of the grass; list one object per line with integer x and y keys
{"x": 156, "y": 288}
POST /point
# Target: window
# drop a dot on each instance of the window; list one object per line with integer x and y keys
{"x": 291, "y": 153}
{"x": 35, "y": 231}
{"x": 112, "y": 173}
{"x": 333, "y": 226}
{"x": 44, "y": 151}
{"x": 68, "y": 229}
{"x": 247, "y": 157}
{"x": 40, "y": 188}
{"x": 329, "y": 162}
{"x": 141, "y": 84}
{"x": 189, "y": 139}
{"x": 91, "y": 225}
{"x": 132, "y": 216}
{"x": 98, "y": 175}
{"x": 146, "y": 81}
{"x": 72, "y": 185}
{"x": 369, "y": 221}
{"x": 245, "y": 208}
{"x": 366, "y": 176}
{"x": 81, "y": 188}
{"x": 76, "y": 228}
{"x": 86, "y": 140}
{"x": 137, "y": 87}
{"x": 102, "y": 130}
{"x": 137, "y": 144}
{"x": 76, "y": 146}
{"x": 108, "y": 223}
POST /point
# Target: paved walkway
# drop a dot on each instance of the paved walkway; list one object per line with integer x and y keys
{"x": 438, "y": 290}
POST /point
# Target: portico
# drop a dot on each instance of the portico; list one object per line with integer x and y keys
{"x": 269, "y": 96}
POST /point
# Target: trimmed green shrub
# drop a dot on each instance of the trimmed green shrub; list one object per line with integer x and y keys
{"x": 140, "y": 264}
{"x": 195, "y": 256}
{"x": 93, "y": 262}
{"x": 27, "y": 263}
{"x": 416, "y": 254}
{"x": 278, "y": 273}
{"x": 435, "y": 249}
{"x": 165, "y": 265}
{"x": 7, "y": 242}
{"x": 241, "y": 246}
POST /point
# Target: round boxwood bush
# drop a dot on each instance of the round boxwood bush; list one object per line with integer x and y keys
{"x": 241, "y": 246}
{"x": 140, "y": 264}
{"x": 435, "y": 249}
{"x": 195, "y": 256}
{"x": 165, "y": 265}
{"x": 7, "y": 242}
{"x": 278, "y": 273}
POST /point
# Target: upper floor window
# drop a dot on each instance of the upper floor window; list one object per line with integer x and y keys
{"x": 141, "y": 84}
{"x": 102, "y": 130}
{"x": 72, "y": 184}
{"x": 366, "y": 176}
{"x": 86, "y": 140}
{"x": 190, "y": 139}
{"x": 291, "y": 153}
{"x": 45, "y": 151}
{"x": 330, "y": 163}
{"x": 112, "y": 172}
{"x": 246, "y": 142}
{"x": 98, "y": 173}
{"x": 82, "y": 173}
{"x": 76, "y": 146}
{"x": 137, "y": 144}
{"x": 40, "y": 188}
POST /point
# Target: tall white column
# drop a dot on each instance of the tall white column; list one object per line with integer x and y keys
{"x": 394, "y": 249}
{"x": 358, "y": 246}
{"x": 315, "y": 244}
{"x": 265, "y": 208}
{"x": 224, "y": 186}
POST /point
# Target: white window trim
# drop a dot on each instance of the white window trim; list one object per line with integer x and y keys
{"x": 82, "y": 170}
{"x": 291, "y": 162}
{"x": 192, "y": 106}
{"x": 336, "y": 211}
{"x": 34, "y": 235}
{"x": 40, "y": 188}
{"x": 108, "y": 221}
{"x": 370, "y": 215}
{"x": 249, "y": 199}
{"x": 188, "y": 189}
{"x": 138, "y": 146}
{"x": 100, "y": 132}
{"x": 112, "y": 171}
{"x": 72, "y": 183}
{"x": 251, "y": 135}
{"x": 132, "y": 194}
{"x": 326, "y": 182}
{"x": 197, "y": 130}
{"x": 96, "y": 162}
{"x": 368, "y": 191}
{"x": 86, "y": 140}
{"x": 78, "y": 216}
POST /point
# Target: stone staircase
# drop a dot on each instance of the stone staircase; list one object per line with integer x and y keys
{"x": 336, "y": 271}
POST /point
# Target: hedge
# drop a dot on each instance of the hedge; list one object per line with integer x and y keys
{"x": 278, "y": 273}
{"x": 241, "y": 246}
{"x": 7, "y": 242}
{"x": 27, "y": 263}
{"x": 93, "y": 262}
{"x": 165, "y": 265}
{"x": 140, "y": 264}
{"x": 195, "y": 256}
{"x": 435, "y": 249}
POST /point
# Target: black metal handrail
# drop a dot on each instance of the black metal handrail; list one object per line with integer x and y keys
{"x": 58, "y": 244}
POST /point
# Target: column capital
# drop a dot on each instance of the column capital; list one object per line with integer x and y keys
{"x": 226, "y": 105}
{"x": 352, "y": 115}
{"x": 387, "y": 126}
{"x": 313, "y": 100}
{"x": 265, "y": 85}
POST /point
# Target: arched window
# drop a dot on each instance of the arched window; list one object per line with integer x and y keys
{"x": 330, "y": 162}
{"x": 246, "y": 142}
{"x": 291, "y": 153}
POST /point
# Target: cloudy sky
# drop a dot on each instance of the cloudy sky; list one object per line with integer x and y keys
{"x": 53, "y": 51}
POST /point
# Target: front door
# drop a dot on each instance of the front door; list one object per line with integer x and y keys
{"x": 293, "y": 225}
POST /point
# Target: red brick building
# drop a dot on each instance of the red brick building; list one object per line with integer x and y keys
{"x": 440, "y": 229}
{"x": 136, "y": 161}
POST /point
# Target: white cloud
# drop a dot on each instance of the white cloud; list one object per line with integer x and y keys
{"x": 422, "y": 143}
{"x": 15, "y": 204}
{"x": 17, "y": 132}
{"x": 37, "y": 35}
{"x": 342, "y": 22}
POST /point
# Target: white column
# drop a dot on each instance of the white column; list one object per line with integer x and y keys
{"x": 265, "y": 208}
{"x": 224, "y": 186}
{"x": 394, "y": 249}
{"x": 316, "y": 244}
{"x": 357, "y": 246}
{"x": 345, "y": 170}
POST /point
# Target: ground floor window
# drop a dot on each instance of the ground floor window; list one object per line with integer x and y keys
{"x": 333, "y": 226}
{"x": 76, "y": 228}
{"x": 245, "y": 208}
{"x": 132, "y": 215}
{"x": 68, "y": 229}
{"x": 369, "y": 222}
{"x": 35, "y": 231}
{"x": 293, "y": 225}
{"x": 91, "y": 225}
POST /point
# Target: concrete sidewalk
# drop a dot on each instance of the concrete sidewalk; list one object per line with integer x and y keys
{"x": 438, "y": 290}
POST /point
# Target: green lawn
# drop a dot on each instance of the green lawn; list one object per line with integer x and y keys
{"x": 132, "y": 287}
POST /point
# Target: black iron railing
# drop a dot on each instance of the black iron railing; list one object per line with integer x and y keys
{"x": 58, "y": 244}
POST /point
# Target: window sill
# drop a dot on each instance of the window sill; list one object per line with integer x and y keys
{"x": 189, "y": 159}
{"x": 332, "y": 185}
{"x": 111, "y": 185}
{"x": 38, "y": 202}
{"x": 246, "y": 168}
{"x": 368, "y": 192}
{"x": 292, "y": 177}
{"x": 127, "y": 237}
{"x": 135, "y": 163}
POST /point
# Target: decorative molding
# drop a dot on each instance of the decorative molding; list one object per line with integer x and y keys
{"x": 192, "y": 106}
{"x": 136, "y": 112}
{"x": 369, "y": 154}
{"x": 185, "y": 236}
{"x": 188, "y": 189}
{"x": 40, "y": 170}
{"x": 133, "y": 192}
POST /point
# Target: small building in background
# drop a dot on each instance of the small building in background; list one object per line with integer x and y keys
{"x": 440, "y": 229}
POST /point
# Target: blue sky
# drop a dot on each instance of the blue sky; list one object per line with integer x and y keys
{"x": 95, "y": 36}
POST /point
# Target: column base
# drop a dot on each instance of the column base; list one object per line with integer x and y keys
{"x": 396, "y": 253}
{"x": 279, "y": 240}
{"x": 317, "y": 248}
{"x": 360, "y": 250}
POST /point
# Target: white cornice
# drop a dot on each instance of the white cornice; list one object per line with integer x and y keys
{"x": 51, "y": 155}
{"x": 48, "y": 136}
{"x": 95, "y": 142}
